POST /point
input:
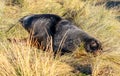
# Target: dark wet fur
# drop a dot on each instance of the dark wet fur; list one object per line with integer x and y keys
{"x": 66, "y": 37}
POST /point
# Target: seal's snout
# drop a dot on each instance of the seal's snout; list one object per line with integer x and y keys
{"x": 93, "y": 46}
{"x": 96, "y": 48}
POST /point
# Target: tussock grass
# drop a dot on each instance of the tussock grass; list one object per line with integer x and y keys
{"x": 21, "y": 60}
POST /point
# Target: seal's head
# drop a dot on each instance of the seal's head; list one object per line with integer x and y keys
{"x": 93, "y": 46}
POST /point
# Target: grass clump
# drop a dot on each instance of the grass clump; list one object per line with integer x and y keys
{"x": 21, "y": 60}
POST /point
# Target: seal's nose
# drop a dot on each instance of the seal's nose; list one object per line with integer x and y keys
{"x": 97, "y": 53}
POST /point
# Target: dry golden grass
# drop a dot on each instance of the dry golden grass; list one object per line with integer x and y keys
{"x": 21, "y": 60}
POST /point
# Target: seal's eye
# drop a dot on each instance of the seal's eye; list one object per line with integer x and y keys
{"x": 93, "y": 44}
